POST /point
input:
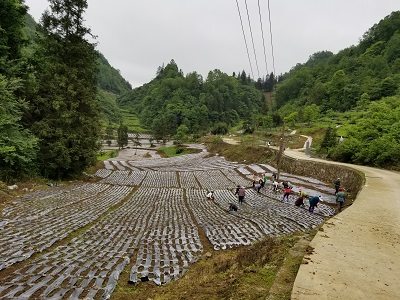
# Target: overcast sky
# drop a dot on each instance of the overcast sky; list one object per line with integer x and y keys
{"x": 202, "y": 35}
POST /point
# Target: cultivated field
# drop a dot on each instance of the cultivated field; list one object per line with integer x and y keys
{"x": 73, "y": 242}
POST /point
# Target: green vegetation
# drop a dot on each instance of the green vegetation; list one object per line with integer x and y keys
{"x": 173, "y": 100}
{"x": 110, "y": 79}
{"x": 132, "y": 121}
{"x": 122, "y": 139}
{"x": 56, "y": 92}
{"x": 356, "y": 91}
{"x": 18, "y": 145}
{"x": 63, "y": 112}
{"x": 110, "y": 83}
{"x": 172, "y": 151}
{"x": 104, "y": 155}
{"x": 110, "y": 112}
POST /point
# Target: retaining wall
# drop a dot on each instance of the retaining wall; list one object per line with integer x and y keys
{"x": 352, "y": 180}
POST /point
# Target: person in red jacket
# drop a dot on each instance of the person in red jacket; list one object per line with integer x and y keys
{"x": 287, "y": 191}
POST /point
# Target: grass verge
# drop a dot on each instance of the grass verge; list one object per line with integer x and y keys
{"x": 107, "y": 154}
{"x": 175, "y": 150}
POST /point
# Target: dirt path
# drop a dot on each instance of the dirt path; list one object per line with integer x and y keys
{"x": 356, "y": 255}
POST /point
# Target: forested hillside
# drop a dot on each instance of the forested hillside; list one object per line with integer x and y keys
{"x": 174, "y": 103}
{"x": 56, "y": 91}
{"x": 337, "y": 81}
{"x": 110, "y": 82}
{"x": 357, "y": 90}
{"x": 110, "y": 85}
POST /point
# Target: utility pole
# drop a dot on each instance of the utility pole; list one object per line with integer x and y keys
{"x": 280, "y": 152}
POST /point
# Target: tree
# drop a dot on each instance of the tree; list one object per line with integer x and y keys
{"x": 267, "y": 122}
{"x": 136, "y": 141}
{"x": 393, "y": 48}
{"x": 311, "y": 113}
{"x": 364, "y": 101}
{"x": 181, "y": 133}
{"x": 269, "y": 83}
{"x": 336, "y": 90}
{"x": 291, "y": 118}
{"x": 277, "y": 119}
{"x": 220, "y": 128}
{"x": 65, "y": 115}
{"x": 243, "y": 77}
{"x": 12, "y": 14}
{"x": 18, "y": 147}
{"x": 109, "y": 134}
{"x": 330, "y": 139}
{"x": 122, "y": 139}
{"x": 388, "y": 87}
{"x": 151, "y": 141}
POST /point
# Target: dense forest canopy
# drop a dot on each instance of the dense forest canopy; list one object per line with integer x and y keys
{"x": 173, "y": 100}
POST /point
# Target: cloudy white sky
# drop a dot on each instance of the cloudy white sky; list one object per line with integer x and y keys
{"x": 202, "y": 35}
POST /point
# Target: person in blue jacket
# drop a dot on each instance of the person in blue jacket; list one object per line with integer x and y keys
{"x": 314, "y": 203}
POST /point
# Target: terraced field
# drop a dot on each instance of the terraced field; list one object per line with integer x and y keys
{"x": 73, "y": 242}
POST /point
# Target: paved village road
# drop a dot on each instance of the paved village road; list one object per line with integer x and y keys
{"x": 357, "y": 253}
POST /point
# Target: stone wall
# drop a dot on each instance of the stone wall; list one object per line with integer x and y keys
{"x": 352, "y": 180}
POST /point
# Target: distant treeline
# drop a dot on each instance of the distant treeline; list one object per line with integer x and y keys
{"x": 174, "y": 102}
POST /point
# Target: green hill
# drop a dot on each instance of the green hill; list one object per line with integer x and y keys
{"x": 110, "y": 82}
{"x": 337, "y": 82}
{"x": 354, "y": 93}
{"x": 173, "y": 103}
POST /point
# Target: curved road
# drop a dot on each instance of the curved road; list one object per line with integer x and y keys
{"x": 356, "y": 254}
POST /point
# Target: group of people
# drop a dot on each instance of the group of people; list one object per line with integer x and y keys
{"x": 259, "y": 183}
{"x": 232, "y": 207}
{"x": 287, "y": 188}
{"x": 313, "y": 201}
{"x": 299, "y": 202}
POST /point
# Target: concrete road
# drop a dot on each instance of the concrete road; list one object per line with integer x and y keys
{"x": 356, "y": 255}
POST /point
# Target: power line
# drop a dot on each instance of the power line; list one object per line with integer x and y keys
{"x": 262, "y": 34}
{"x": 252, "y": 40}
{"x": 245, "y": 41}
{"x": 272, "y": 44}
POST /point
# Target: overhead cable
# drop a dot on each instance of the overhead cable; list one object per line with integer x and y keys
{"x": 262, "y": 34}
{"x": 252, "y": 40}
{"x": 272, "y": 44}
{"x": 244, "y": 37}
